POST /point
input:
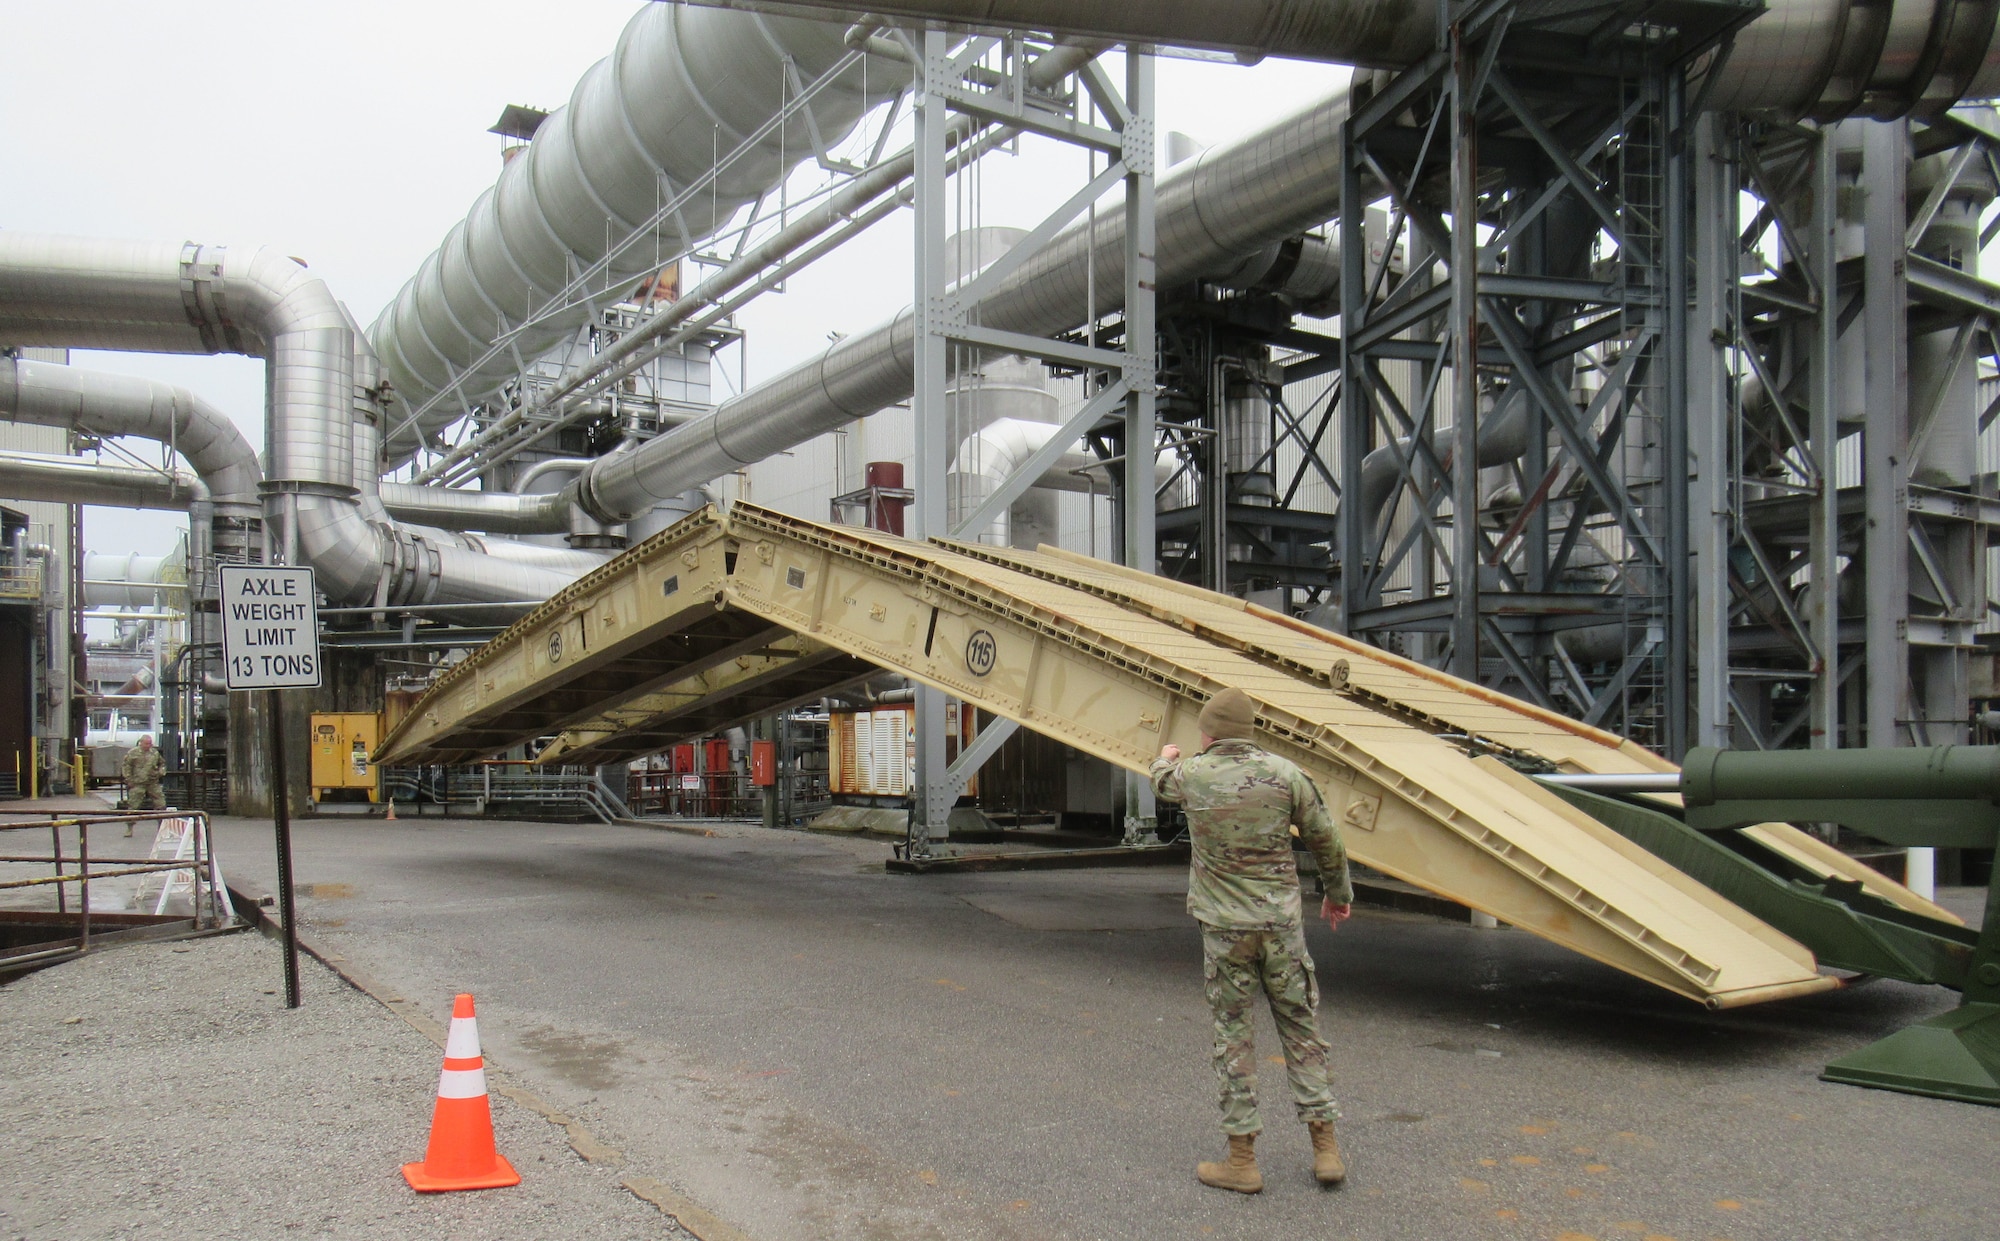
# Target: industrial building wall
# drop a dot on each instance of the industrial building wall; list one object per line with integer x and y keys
{"x": 50, "y": 524}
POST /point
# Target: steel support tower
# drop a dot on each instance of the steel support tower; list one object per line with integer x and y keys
{"x": 987, "y": 80}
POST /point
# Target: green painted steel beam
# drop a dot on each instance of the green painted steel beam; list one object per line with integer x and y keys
{"x": 1845, "y": 927}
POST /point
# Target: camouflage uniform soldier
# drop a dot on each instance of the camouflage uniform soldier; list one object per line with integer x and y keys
{"x": 1243, "y": 887}
{"x": 143, "y": 768}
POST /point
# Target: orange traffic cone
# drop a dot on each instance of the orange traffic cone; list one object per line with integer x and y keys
{"x": 461, "y": 1154}
{"x": 392, "y": 810}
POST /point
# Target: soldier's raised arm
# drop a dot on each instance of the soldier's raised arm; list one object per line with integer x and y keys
{"x": 1165, "y": 774}
{"x": 1321, "y": 837}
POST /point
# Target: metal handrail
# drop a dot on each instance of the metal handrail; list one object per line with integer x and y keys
{"x": 206, "y": 901}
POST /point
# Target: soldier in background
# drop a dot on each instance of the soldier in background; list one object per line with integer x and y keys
{"x": 1243, "y": 887}
{"x": 144, "y": 767}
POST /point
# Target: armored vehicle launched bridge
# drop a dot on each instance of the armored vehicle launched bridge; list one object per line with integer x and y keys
{"x": 721, "y": 619}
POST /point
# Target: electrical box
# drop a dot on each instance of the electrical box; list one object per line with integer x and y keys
{"x": 763, "y": 764}
{"x": 341, "y": 744}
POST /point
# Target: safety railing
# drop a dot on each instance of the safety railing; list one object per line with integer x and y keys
{"x": 694, "y": 795}
{"x": 191, "y": 871}
{"x": 505, "y": 786}
{"x": 722, "y": 794}
{"x": 21, "y": 581}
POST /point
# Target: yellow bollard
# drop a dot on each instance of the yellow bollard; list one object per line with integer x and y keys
{"x": 34, "y": 768}
{"x": 77, "y": 779}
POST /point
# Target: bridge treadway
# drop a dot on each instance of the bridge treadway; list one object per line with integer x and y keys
{"x": 718, "y": 617}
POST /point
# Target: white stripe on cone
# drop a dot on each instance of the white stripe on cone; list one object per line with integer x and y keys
{"x": 462, "y": 1083}
{"x": 462, "y": 1041}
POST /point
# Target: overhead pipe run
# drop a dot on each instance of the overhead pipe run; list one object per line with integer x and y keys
{"x": 643, "y": 125}
{"x": 57, "y": 479}
{"x": 1215, "y": 212}
{"x": 102, "y": 404}
{"x": 494, "y": 512}
{"x": 154, "y": 297}
{"x": 1820, "y": 58}
{"x": 856, "y": 205}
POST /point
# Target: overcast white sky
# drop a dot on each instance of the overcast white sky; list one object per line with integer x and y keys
{"x": 353, "y": 136}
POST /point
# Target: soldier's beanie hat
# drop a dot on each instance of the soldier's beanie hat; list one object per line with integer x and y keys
{"x": 1229, "y": 714}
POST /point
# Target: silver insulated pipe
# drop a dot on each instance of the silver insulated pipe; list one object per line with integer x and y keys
{"x": 155, "y": 297}
{"x": 73, "y": 480}
{"x": 1824, "y": 58}
{"x": 1214, "y": 211}
{"x": 1233, "y": 199}
{"x": 48, "y": 394}
{"x": 645, "y": 125}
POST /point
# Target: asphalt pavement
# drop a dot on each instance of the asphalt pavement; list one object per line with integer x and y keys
{"x": 810, "y": 1047}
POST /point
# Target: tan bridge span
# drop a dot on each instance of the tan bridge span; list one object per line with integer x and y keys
{"x": 719, "y": 619}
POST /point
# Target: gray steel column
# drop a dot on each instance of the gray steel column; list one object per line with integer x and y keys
{"x": 1141, "y": 541}
{"x": 1464, "y": 357}
{"x": 931, "y": 797}
{"x": 1675, "y": 476}
{"x": 1708, "y": 413}
{"x": 1352, "y": 527}
{"x": 1823, "y": 536}
{"x": 1885, "y": 160}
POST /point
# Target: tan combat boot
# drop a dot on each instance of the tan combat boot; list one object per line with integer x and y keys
{"x": 1238, "y": 1172}
{"x": 1327, "y": 1166}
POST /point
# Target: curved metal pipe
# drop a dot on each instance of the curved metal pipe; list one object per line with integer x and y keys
{"x": 642, "y": 125}
{"x": 48, "y": 394}
{"x": 1822, "y": 58}
{"x": 189, "y": 298}
{"x": 495, "y": 512}
{"x": 57, "y": 479}
{"x": 1214, "y": 212}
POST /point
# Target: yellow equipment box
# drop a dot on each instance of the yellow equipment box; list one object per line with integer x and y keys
{"x": 341, "y": 744}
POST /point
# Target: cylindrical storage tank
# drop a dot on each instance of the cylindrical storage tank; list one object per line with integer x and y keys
{"x": 886, "y": 514}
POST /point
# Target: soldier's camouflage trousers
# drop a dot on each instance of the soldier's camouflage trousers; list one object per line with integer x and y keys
{"x": 146, "y": 795}
{"x": 1237, "y": 966}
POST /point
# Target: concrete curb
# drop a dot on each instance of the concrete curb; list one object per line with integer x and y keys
{"x": 703, "y": 1224}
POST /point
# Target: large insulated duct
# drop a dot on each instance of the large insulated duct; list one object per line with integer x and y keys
{"x": 495, "y": 512}
{"x": 130, "y": 580}
{"x": 1824, "y": 58}
{"x": 58, "y": 479}
{"x": 102, "y": 404}
{"x": 1214, "y": 211}
{"x": 683, "y": 86}
{"x": 155, "y": 297}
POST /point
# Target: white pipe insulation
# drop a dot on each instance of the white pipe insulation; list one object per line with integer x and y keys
{"x": 1823, "y": 58}
{"x": 186, "y": 298}
{"x": 683, "y": 86}
{"x": 102, "y": 404}
{"x": 1232, "y": 203}
{"x": 57, "y": 479}
{"x": 990, "y": 457}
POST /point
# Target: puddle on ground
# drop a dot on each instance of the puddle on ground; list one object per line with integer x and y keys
{"x": 582, "y": 1060}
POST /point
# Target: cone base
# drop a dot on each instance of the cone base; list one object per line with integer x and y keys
{"x": 500, "y": 1177}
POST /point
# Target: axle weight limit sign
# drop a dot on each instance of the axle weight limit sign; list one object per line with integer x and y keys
{"x": 270, "y": 627}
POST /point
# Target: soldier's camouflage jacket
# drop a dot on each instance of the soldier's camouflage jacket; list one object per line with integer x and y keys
{"x": 1242, "y": 803}
{"x": 144, "y": 766}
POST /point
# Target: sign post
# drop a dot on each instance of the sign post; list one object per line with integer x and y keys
{"x": 270, "y": 642}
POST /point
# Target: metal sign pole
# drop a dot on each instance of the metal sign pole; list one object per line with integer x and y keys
{"x": 281, "y": 818}
{"x": 270, "y": 642}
